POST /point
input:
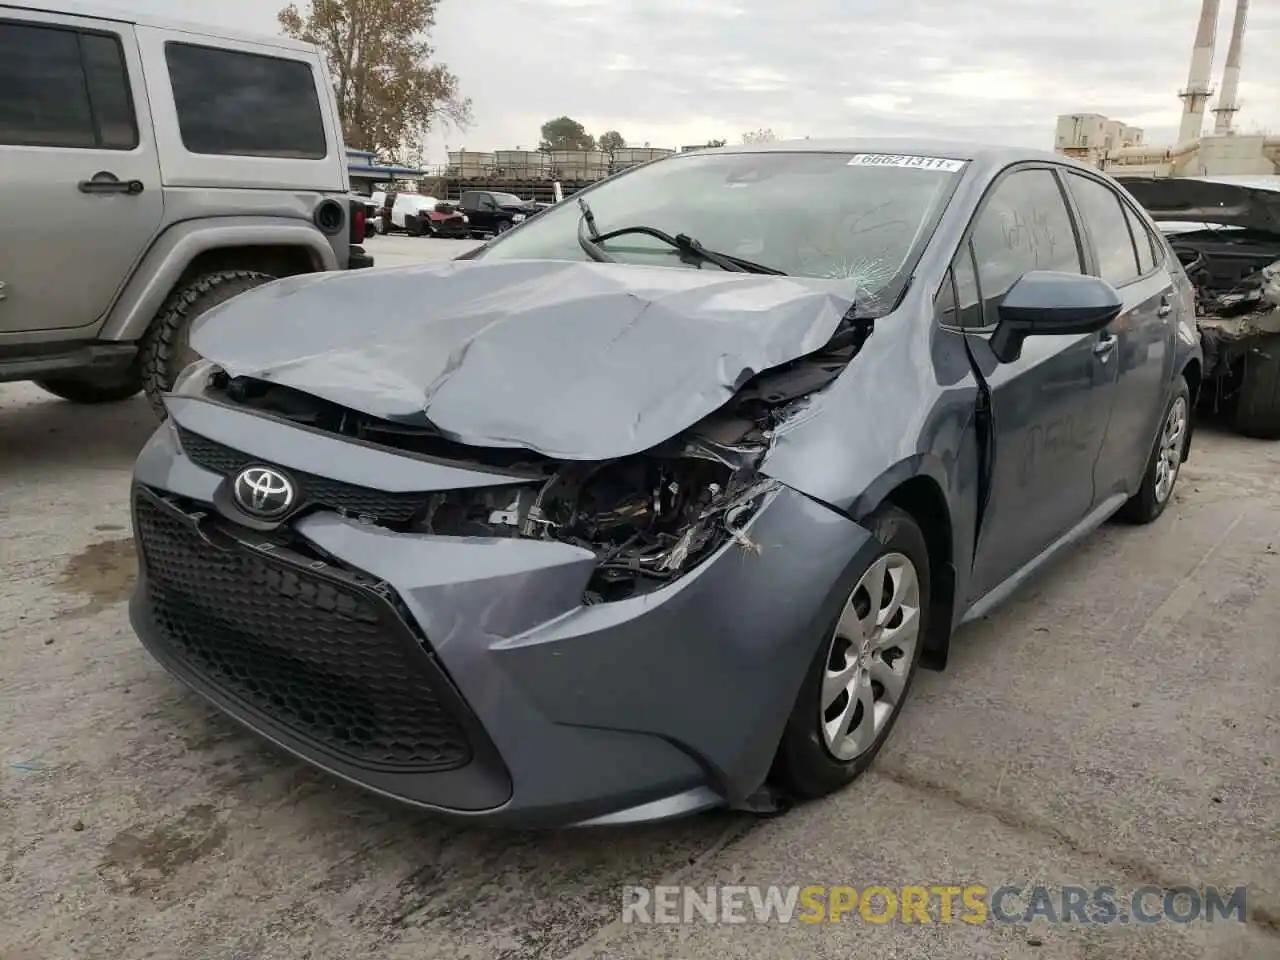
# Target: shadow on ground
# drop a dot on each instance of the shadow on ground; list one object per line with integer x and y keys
{"x": 37, "y": 431}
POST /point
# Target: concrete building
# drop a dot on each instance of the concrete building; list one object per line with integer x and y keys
{"x": 1088, "y": 136}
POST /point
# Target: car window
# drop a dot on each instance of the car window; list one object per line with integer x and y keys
{"x": 944, "y": 303}
{"x": 1142, "y": 239}
{"x": 1103, "y": 213}
{"x": 1024, "y": 225}
{"x": 245, "y": 104}
{"x": 64, "y": 88}
{"x": 968, "y": 299}
{"x": 807, "y": 213}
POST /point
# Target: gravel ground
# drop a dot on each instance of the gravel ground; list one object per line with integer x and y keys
{"x": 1117, "y": 723}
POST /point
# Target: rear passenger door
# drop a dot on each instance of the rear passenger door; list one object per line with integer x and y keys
{"x": 1049, "y": 408}
{"x": 80, "y": 197}
{"x": 1125, "y": 255}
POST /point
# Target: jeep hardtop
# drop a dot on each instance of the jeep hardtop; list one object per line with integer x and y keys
{"x": 152, "y": 170}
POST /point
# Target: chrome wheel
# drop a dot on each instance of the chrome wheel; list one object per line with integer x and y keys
{"x": 870, "y": 657}
{"x": 1169, "y": 453}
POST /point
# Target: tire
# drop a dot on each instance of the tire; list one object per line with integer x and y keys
{"x": 96, "y": 389}
{"x": 504, "y": 226}
{"x": 1257, "y": 412}
{"x": 164, "y": 350}
{"x": 1165, "y": 463}
{"x": 809, "y": 765}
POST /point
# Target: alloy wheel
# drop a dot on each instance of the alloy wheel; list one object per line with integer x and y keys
{"x": 870, "y": 657}
{"x": 1169, "y": 453}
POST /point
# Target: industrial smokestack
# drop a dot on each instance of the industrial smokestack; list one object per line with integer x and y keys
{"x": 1229, "y": 95}
{"x": 1197, "y": 93}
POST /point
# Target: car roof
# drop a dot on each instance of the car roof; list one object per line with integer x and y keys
{"x": 75, "y": 8}
{"x": 986, "y": 153}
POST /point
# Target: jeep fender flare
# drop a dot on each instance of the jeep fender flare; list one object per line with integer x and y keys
{"x": 169, "y": 255}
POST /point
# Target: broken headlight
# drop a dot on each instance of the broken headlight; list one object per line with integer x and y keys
{"x": 194, "y": 377}
{"x": 648, "y": 519}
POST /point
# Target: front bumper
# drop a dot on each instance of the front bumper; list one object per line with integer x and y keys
{"x": 465, "y": 675}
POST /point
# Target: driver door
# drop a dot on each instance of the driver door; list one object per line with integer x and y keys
{"x": 1050, "y": 407}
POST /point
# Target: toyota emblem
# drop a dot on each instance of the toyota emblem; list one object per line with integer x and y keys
{"x": 264, "y": 492}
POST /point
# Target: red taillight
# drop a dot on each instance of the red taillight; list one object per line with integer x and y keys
{"x": 360, "y": 224}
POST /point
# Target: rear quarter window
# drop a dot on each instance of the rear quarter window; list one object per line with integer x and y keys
{"x": 1143, "y": 240}
{"x": 232, "y": 103}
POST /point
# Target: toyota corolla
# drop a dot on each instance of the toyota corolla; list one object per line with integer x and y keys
{"x": 659, "y": 501}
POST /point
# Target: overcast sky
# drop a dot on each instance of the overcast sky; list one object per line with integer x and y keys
{"x": 673, "y": 72}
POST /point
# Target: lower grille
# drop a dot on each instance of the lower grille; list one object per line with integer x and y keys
{"x": 318, "y": 652}
{"x": 314, "y": 490}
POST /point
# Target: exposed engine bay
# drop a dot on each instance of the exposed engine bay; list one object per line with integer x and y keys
{"x": 648, "y": 518}
{"x": 1236, "y": 274}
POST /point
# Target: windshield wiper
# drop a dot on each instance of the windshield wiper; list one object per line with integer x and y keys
{"x": 682, "y": 242}
{"x": 590, "y": 244}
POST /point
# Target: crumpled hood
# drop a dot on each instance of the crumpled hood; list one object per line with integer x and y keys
{"x": 1245, "y": 201}
{"x": 576, "y": 360}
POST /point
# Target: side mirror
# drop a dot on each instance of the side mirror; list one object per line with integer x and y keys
{"x": 1046, "y": 303}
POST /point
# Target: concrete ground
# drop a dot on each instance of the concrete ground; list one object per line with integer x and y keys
{"x": 1118, "y": 723}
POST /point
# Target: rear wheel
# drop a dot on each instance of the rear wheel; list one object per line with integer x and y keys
{"x": 1257, "y": 411}
{"x": 98, "y": 388}
{"x": 1165, "y": 462}
{"x": 862, "y": 673}
{"x": 166, "y": 349}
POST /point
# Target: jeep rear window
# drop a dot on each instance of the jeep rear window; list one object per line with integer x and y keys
{"x": 64, "y": 88}
{"x": 245, "y": 104}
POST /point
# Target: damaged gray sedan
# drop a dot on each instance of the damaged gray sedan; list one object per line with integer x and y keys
{"x": 658, "y": 502}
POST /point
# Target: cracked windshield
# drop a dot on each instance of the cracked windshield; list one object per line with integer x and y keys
{"x": 804, "y": 213}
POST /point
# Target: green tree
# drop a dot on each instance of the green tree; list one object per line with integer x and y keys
{"x": 389, "y": 92}
{"x": 565, "y": 133}
{"x": 611, "y": 142}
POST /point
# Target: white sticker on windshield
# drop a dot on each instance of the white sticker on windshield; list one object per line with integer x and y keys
{"x": 899, "y": 160}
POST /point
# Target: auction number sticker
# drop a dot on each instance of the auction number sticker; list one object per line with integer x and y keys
{"x": 899, "y": 160}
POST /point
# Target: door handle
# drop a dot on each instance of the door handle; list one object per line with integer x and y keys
{"x": 1102, "y": 349}
{"x": 106, "y": 182}
{"x": 1166, "y": 307}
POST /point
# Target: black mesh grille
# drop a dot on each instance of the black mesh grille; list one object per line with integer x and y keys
{"x": 315, "y": 490}
{"x": 327, "y": 658}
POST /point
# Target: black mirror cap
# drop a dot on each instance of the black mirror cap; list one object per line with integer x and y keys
{"x": 1045, "y": 303}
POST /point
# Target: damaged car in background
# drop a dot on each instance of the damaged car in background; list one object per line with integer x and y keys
{"x": 1226, "y": 232}
{"x": 658, "y": 502}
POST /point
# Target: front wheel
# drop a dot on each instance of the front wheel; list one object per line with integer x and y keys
{"x": 1165, "y": 462}
{"x": 1257, "y": 411}
{"x": 504, "y": 226}
{"x": 863, "y": 670}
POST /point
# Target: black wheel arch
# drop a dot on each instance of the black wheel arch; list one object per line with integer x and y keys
{"x": 921, "y": 496}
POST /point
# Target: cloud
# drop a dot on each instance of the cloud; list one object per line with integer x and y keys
{"x": 683, "y": 71}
